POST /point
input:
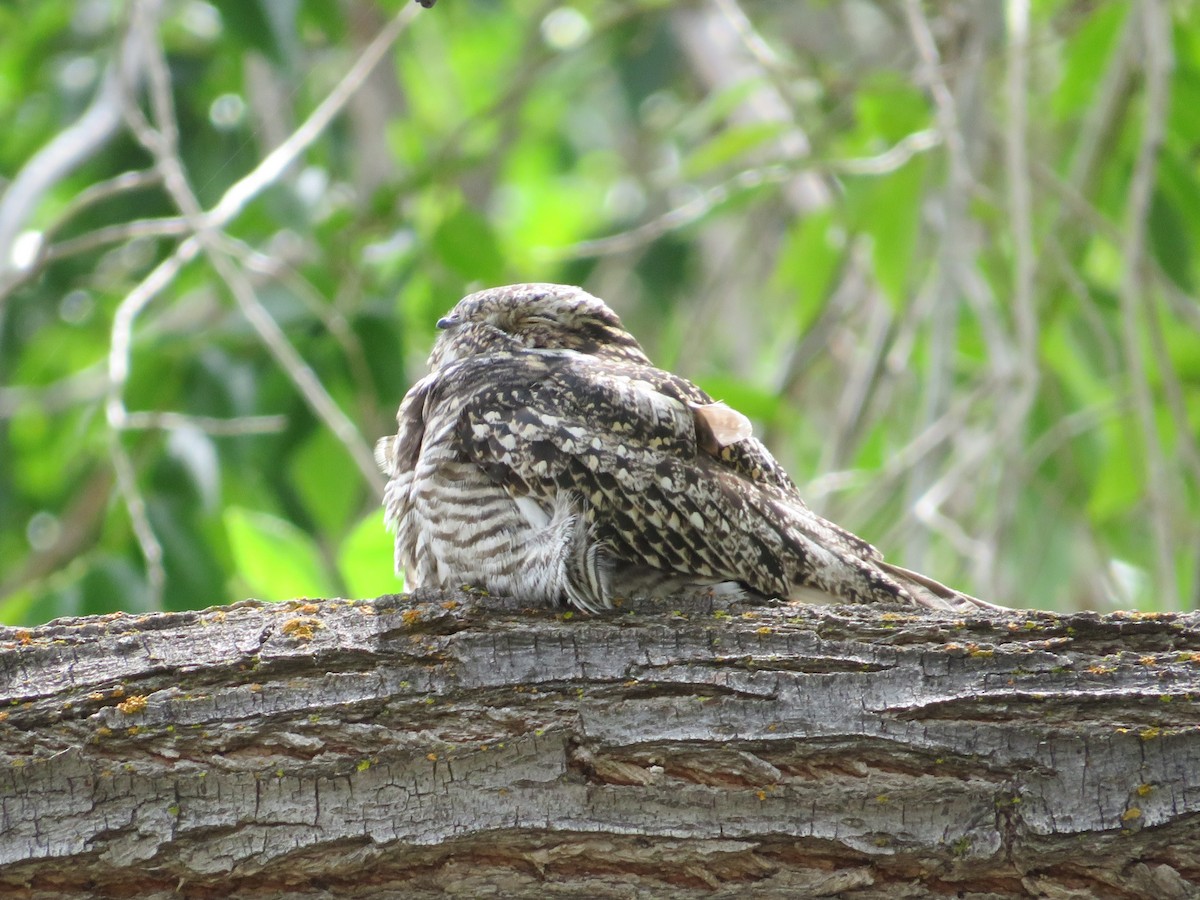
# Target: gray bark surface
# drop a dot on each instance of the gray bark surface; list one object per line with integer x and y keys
{"x": 419, "y": 746}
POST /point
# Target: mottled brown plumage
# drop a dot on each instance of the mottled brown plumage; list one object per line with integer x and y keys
{"x": 544, "y": 456}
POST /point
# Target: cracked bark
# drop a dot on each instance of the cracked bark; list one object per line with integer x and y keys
{"x": 415, "y": 746}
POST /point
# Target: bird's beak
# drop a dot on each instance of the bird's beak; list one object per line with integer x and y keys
{"x": 446, "y": 322}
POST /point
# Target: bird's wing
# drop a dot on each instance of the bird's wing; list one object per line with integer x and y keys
{"x": 748, "y": 457}
{"x": 545, "y": 422}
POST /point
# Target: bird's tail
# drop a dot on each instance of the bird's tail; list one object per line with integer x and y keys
{"x": 933, "y": 594}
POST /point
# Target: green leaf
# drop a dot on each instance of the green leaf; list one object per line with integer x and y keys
{"x": 1087, "y": 55}
{"x": 888, "y": 110}
{"x": 276, "y": 559}
{"x": 731, "y": 145}
{"x": 748, "y": 399}
{"x": 326, "y": 480}
{"x": 888, "y": 209}
{"x": 365, "y": 560}
{"x": 1120, "y": 481}
{"x": 808, "y": 261}
{"x": 465, "y": 243}
{"x": 1170, "y": 241}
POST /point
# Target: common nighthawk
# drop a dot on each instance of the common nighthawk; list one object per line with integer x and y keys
{"x": 545, "y": 457}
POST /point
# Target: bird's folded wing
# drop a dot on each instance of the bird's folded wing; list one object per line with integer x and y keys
{"x": 630, "y": 452}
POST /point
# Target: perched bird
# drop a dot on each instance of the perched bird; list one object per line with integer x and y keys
{"x": 545, "y": 457}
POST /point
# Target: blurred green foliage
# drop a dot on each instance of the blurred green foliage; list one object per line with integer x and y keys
{"x": 792, "y": 203}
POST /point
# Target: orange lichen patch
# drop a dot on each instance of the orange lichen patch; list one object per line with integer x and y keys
{"x": 432, "y": 757}
{"x": 1131, "y": 815}
{"x": 765, "y": 629}
{"x": 307, "y": 608}
{"x": 254, "y": 688}
{"x": 24, "y": 638}
{"x": 450, "y": 604}
{"x": 1099, "y": 669}
{"x": 1147, "y": 660}
{"x": 411, "y": 616}
{"x": 301, "y": 629}
{"x": 134, "y": 704}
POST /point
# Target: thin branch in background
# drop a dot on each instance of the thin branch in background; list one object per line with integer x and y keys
{"x": 1105, "y": 110}
{"x": 69, "y": 148}
{"x": 161, "y": 139}
{"x": 236, "y": 427}
{"x": 330, "y": 316}
{"x": 84, "y": 386}
{"x": 135, "y": 506}
{"x": 301, "y": 375}
{"x": 724, "y": 50}
{"x": 1181, "y": 303}
{"x": 860, "y": 382}
{"x": 1068, "y": 429}
{"x": 1152, "y": 19}
{"x": 679, "y": 217}
{"x": 232, "y": 202}
{"x": 954, "y": 255}
{"x": 1014, "y": 420}
{"x": 48, "y": 250}
{"x": 168, "y": 226}
{"x": 747, "y": 180}
{"x": 1184, "y": 305}
{"x": 1189, "y": 454}
{"x": 891, "y": 159}
{"x": 928, "y": 508}
{"x": 118, "y": 185}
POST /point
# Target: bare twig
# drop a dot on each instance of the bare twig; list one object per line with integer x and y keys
{"x": 944, "y": 314}
{"x": 891, "y": 159}
{"x": 747, "y": 180}
{"x": 168, "y": 226}
{"x": 1157, "y": 62}
{"x": 48, "y": 251}
{"x": 1182, "y": 303}
{"x": 231, "y": 204}
{"x": 161, "y": 139}
{"x": 723, "y": 56}
{"x": 84, "y": 386}
{"x": 331, "y": 318}
{"x": 68, "y": 149}
{"x": 208, "y": 424}
{"x": 135, "y": 505}
{"x": 1013, "y": 423}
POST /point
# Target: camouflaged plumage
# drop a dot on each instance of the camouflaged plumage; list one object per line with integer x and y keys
{"x": 545, "y": 457}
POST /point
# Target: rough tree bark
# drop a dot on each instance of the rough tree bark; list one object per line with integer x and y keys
{"x": 414, "y": 746}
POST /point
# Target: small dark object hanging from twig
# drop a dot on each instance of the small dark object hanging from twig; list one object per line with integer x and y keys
{"x": 428, "y": 4}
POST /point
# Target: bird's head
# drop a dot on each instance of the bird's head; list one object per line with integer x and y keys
{"x": 533, "y": 316}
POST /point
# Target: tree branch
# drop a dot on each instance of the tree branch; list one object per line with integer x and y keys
{"x": 439, "y": 743}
